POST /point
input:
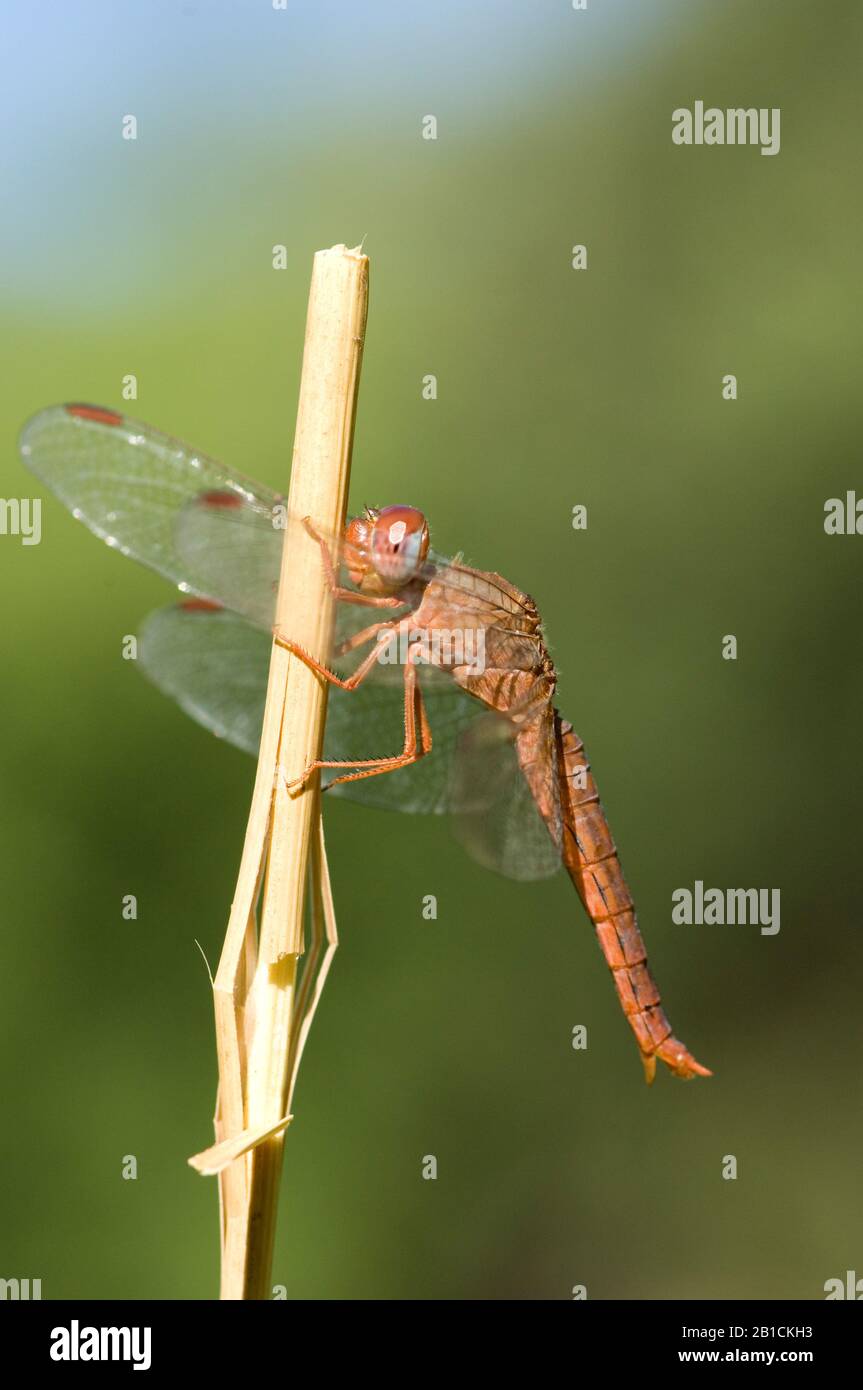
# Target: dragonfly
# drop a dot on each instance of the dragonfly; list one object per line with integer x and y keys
{"x": 442, "y": 703}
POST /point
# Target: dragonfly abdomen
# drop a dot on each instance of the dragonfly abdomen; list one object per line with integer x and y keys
{"x": 591, "y": 859}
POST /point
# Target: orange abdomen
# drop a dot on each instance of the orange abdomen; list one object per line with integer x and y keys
{"x": 591, "y": 859}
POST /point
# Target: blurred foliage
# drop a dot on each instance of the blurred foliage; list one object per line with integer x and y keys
{"x": 705, "y": 518}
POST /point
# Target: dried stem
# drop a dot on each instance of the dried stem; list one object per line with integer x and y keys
{"x": 258, "y": 1037}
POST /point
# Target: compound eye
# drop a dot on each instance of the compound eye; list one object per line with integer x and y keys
{"x": 400, "y": 542}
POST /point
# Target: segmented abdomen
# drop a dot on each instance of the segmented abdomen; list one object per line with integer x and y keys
{"x": 591, "y": 859}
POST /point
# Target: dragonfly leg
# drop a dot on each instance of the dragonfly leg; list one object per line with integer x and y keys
{"x": 346, "y": 595}
{"x": 418, "y": 741}
{"x": 352, "y": 681}
{"x": 359, "y": 639}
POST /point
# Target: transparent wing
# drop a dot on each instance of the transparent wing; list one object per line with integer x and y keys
{"x": 232, "y": 542}
{"x": 369, "y": 723}
{"x": 495, "y": 799}
{"x": 215, "y": 665}
{"x": 210, "y": 531}
{"x": 472, "y": 773}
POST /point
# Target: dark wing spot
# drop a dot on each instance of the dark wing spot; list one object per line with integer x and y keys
{"x": 94, "y": 412}
{"x": 201, "y": 605}
{"x": 219, "y": 499}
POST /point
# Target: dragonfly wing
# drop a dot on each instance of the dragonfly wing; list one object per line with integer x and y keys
{"x": 233, "y": 546}
{"x": 472, "y": 773}
{"x": 136, "y": 488}
{"x": 369, "y": 723}
{"x": 214, "y": 664}
{"x": 495, "y": 801}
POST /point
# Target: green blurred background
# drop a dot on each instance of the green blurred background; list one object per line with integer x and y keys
{"x": 555, "y": 387}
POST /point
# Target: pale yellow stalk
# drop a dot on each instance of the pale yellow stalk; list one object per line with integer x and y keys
{"x": 258, "y": 1037}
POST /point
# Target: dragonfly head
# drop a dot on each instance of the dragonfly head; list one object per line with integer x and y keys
{"x": 386, "y": 548}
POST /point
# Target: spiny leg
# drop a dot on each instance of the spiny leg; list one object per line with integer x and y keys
{"x": 360, "y": 638}
{"x": 415, "y": 714}
{"x": 352, "y": 681}
{"x": 414, "y": 747}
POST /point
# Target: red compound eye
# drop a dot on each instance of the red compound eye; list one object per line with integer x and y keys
{"x": 399, "y": 543}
